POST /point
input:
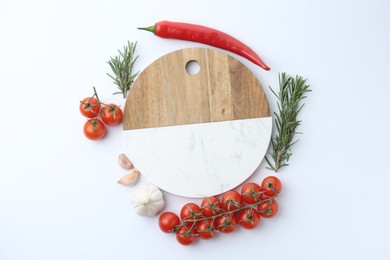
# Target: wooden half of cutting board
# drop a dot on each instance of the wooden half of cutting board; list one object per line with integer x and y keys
{"x": 165, "y": 94}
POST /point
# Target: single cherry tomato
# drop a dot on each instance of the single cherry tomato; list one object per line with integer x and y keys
{"x": 205, "y": 229}
{"x": 252, "y": 193}
{"x": 231, "y": 200}
{"x": 249, "y": 218}
{"x": 168, "y": 221}
{"x": 111, "y": 114}
{"x": 268, "y": 209}
{"x": 226, "y": 223}
{"x": 271, "y": 184}
{"x": 89, "y": 107}
{"x": 94, "y": 129}
{"x": 211, "y": 206}
{"x": 190, "y": 211}
{"x": 185, "y": 237}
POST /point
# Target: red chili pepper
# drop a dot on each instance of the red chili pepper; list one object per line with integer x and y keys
{"x": 206, "y": 35}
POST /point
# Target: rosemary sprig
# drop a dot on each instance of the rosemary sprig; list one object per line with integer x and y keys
{"x": 291, "y": 93}
{"x": 122, "y": 66}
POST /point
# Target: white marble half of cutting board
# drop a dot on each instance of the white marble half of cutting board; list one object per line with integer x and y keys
{"x": 201, "y": 134}
{"x": 200, "y": 160}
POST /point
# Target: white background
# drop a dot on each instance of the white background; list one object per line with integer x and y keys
{"x": 58, "y": 193}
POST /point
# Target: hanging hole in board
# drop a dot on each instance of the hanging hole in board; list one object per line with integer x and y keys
{"x": 192, "y": 67}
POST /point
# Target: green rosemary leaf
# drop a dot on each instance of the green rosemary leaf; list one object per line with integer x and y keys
{"x": 291, "y": 93}
{"x": 111, "y": 77}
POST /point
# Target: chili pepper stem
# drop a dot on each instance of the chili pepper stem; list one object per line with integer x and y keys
{"x": 149, "y": 29}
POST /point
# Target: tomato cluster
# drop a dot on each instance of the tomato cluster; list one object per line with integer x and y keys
{"x": 224, "y": 215}
{"x": 98, "y": 115}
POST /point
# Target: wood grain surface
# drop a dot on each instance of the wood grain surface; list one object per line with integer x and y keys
{"x": 165, "y": 94}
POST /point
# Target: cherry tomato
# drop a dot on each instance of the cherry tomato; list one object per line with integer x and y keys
{"x": 271, "y": 184}
{"x": 168, "y": 221}
{"x": 94, "y": 129}
{"x": 89, "y": 107}
{"x": 268, "y": 209}
{"x": 185, "y": 237}
{"x": 231, "y": 200}
{"x": 190, "y": 211}
{"x": 249, "y": 218}
{"x": 226, "y": 223}
{"x": 111, "y": 114}
{"x": 252, "y": 192}
{"x": 211, "y": 206}
{"x": 205, "y": 229}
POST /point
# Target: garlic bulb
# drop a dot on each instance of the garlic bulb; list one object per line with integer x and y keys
{"x": 130, "y": 179}
{"x": 147, "y": 200}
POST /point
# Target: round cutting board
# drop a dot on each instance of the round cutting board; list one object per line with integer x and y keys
{"x": 201, "y": 133}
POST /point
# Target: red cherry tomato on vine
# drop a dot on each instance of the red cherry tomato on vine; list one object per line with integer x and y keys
{"x": 249, "y": 218}
{"x": 111, "y": 114}
{"x": 211, "y": 206}
{"x": 252, "y": 192}
{"x": 94, "y": 129}
{"x": 168, "y": 221}
{"x": 89, "y": 107}
{"x": 271, "y": 184}
{"x": 226, "y": 223}
{"x": 268, "y": 209}
{"x": 185, "y": 237}
{"x": 231, "y": 200}
{"x": 205, "y": 229}
{"x": 190, "y": 211}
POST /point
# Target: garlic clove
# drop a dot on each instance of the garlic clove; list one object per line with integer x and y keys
{"x": 130, "y": 179}
{"x": 124, "y": 162}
